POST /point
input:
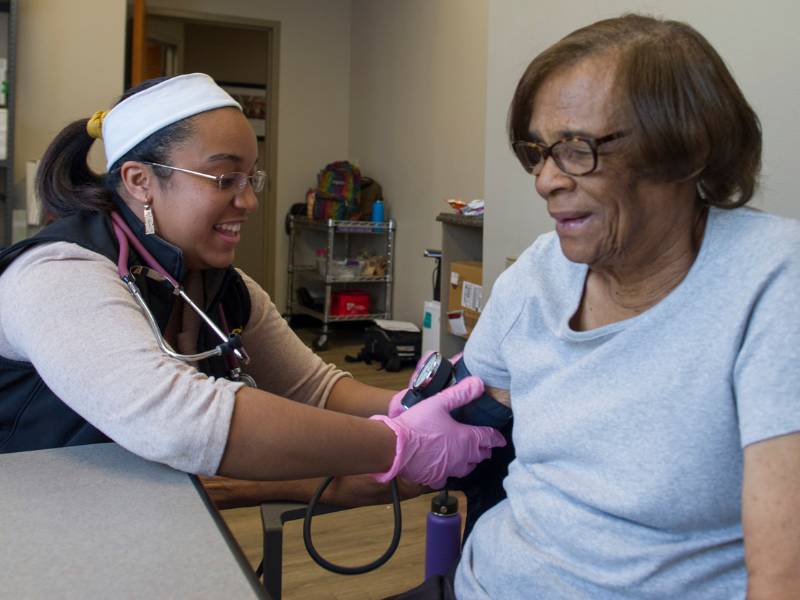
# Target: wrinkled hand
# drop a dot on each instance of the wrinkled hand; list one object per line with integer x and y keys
{"x": 395, "y": 404}
{"x": 431, "y": 445}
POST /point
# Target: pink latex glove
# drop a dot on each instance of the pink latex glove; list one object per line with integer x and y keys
{"x": 431, "y": 445}
{"x": 395, "y": 404}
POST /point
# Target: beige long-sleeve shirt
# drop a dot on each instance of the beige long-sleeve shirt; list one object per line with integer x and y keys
{"x": 64, "y": 309}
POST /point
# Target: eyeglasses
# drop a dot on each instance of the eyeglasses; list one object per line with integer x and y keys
{"x": 235, "y": 181}
{"x": 573, "y": 155}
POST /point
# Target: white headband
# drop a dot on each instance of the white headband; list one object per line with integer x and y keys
{"x": 144, "y": 113}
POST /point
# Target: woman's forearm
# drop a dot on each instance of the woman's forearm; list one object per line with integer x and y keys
{"x": 236, "y": 493}
{"x": 351, "y": 490}
{"x": 354, "y": 398}
{"x": 272, "y": 438}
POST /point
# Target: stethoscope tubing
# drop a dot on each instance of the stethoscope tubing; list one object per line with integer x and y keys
{"x": 125, "y": 236}
{"x": 162, "y": 343}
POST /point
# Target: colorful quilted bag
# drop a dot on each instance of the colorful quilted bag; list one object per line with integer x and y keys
{"x": 338, "y": 191}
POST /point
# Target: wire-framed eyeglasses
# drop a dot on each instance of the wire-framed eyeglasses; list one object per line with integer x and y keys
{"x": 574, "y": 155}
{"x": 235, "y": 181}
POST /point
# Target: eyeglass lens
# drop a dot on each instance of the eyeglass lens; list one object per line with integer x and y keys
{"x": 238, "y": 181}
{"x": 574, "y": 156}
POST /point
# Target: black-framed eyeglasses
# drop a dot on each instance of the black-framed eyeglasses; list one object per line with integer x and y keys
{"x": 235, "y": 181}
{"x": 573, "y": 155}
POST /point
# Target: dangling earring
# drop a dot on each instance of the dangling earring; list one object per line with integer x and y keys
{"x": 701, "y": 192}
{"x": 149, "y": 223}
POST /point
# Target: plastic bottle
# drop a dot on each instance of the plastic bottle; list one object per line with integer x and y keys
{"x": 377, "y": 210}
{"x": 442, "y": 535}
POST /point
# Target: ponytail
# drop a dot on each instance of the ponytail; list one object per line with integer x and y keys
{"x": 64, "y": 182}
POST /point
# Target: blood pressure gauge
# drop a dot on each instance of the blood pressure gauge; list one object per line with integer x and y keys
{"x": 431, "y": 377}
{"x": 435, "y": 374}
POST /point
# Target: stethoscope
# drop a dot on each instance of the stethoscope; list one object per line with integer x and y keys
{"x": 434, "y": 375}
{"x": 231, "y": 346}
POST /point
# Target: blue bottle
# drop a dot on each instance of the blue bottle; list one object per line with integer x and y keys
{"x": 377, "y": 210}
{"x": 442, "y": 535}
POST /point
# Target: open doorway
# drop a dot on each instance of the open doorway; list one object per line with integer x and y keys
{"x": 241, "y": 55}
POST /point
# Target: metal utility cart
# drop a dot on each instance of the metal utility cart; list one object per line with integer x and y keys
{"x": 344, "y": 239}
{"x": 8, "y": 31}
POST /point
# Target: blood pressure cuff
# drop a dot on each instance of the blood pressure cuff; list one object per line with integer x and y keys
{"x": 481, "y": 411}
{"x": 483, "y": 487}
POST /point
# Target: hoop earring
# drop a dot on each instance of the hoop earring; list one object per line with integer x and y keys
{"x": 149, "y": 222}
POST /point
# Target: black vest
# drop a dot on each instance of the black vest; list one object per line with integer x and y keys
{"x": 32, "y": 417}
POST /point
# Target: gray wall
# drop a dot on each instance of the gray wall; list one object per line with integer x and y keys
{"x": 70, "y": 63}
{"x": 417, "y": 113}
{"x": 408, "y": 89}
{"x": 314, "y": 94}
{"x": 210, "y": 48}
{"x": 758, "y": 41}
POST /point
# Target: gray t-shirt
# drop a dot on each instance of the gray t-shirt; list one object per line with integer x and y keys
{"x": 629, "y": 437}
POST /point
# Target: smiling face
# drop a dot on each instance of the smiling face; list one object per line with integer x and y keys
{"x": 610, "y": 219}
{"x": 190, "y": 211}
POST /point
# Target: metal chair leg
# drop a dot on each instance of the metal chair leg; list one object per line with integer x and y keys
{"x": 273, "y": 516}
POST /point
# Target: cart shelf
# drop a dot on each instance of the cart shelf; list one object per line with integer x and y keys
{"x": 342, "y": 238}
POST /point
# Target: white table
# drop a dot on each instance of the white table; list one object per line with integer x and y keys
{"x": 99, "y": 522}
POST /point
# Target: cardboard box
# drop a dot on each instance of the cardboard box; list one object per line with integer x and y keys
{"x": 465, "y": 295}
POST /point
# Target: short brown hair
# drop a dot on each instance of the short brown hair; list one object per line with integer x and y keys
{"x": 685, "y": 109}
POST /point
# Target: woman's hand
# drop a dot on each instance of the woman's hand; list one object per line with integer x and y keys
{"x": 431, "y": 445}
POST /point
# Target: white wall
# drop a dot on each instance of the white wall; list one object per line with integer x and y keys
{"x": 70, "y": 63}
{"x": 417, "y": 120}
{"x": 758, "y": 41}
{"x": 314, "y": 93}
{"x": 416, "y": 101}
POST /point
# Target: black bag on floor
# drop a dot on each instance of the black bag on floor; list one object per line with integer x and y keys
{"x": 392, "y": 349}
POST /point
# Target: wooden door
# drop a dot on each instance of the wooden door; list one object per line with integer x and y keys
{"x": 139, "y": 42}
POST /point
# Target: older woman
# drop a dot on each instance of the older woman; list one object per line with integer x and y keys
{"x": 124, "y": 320}
{"x": 649, "y": 344}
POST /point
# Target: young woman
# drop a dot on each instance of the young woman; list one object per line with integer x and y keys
{"x": 124, "y": 319}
